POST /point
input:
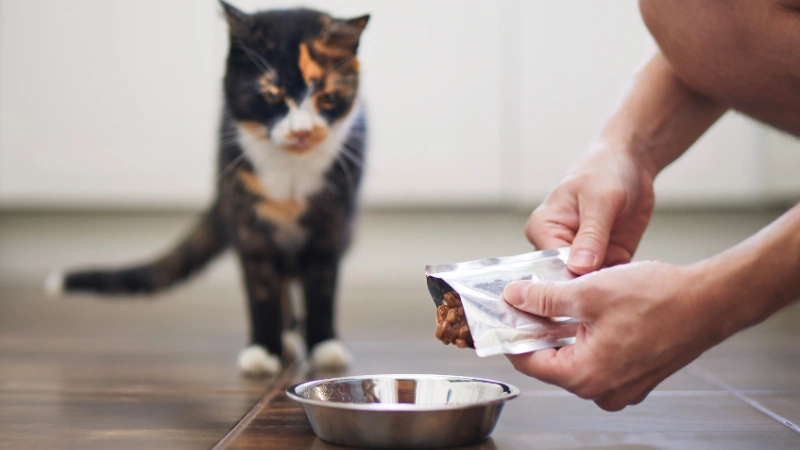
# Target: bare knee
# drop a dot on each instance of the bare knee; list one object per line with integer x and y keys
{"x": 742, "y": 53}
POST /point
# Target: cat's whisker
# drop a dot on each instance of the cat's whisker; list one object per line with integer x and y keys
{"x": 345, "y": 79}
{"x": 228, "y": 143}
{"x": 357, "y": 135}
{"x": 249, "y": 86}
{"x": 228, "y": 138}
{"x": 344, "y": 151}
{"x": 229, "y": 133}
{"x": 232, "y": 166}
{"x": 352, "y": 142}
{"x": 331, "y": 187}
{"x": 347, "y": 174}
{"x": 257, "y": 59}
{"x": 340, "y": 65}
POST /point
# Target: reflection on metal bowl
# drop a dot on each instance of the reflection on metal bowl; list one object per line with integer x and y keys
{"x": 403, "y": 411}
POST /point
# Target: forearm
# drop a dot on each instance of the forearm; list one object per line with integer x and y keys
{"x": 659, "y": 118}
{"x": 751, "y": 281}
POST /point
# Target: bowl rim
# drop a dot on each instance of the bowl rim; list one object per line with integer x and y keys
{"x": 512, "y": 393}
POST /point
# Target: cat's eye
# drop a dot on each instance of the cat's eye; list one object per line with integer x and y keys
{"x": 326, "y": 100}
{"x": 273, "y": 96}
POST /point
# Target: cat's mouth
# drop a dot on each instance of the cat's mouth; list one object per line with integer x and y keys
{"x": 299, "y": 145}
{"x": 303, "y": 141}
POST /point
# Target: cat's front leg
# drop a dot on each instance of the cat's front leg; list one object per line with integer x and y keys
{"x": 264, "y": 298}
{"x": 318, "y": 276}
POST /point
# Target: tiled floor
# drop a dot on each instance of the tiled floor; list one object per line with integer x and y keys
{"x": 82, "y": 373}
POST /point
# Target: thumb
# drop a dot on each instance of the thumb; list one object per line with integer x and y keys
{"x": 588, "y": 249}
{"x": 550, "y": 299}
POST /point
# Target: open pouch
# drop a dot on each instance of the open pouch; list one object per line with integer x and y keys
{"x": 495, "y": 326}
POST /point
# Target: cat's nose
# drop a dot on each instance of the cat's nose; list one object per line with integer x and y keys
{"x": 301, "y": 135}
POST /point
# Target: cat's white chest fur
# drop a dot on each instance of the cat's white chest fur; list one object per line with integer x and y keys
{"x": 290, "y": 176}
{"x": 287, "y": 176}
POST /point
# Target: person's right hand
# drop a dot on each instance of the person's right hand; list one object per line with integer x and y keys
{"x": 600, "y": 210}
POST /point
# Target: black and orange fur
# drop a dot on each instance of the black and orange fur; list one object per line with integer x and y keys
{"x": 276, "y": 58}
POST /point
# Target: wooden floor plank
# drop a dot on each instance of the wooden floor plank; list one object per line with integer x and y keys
{"x": 160, "y": 373}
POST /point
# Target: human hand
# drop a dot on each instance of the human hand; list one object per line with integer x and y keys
{"x": 640, "y": 323}
{"x": 600, "y": 210}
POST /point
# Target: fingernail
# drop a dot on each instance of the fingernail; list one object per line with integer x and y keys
{"x": 582, "y": 258}
{"x": 515, "y": 291}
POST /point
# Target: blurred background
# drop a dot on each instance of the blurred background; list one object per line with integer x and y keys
{"x": 114, "y": 104}
{"x": 108, "y": 119}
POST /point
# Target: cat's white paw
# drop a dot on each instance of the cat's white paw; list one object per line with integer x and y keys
{"x": 256, "y": 361}
{"x": 294, "y": 349}
{"x": 54, "y": 284}
{"x": 330, "y": 354}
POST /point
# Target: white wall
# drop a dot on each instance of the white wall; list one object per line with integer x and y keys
{"x": 115, "y": 102}
{"x": 107, "y": 102}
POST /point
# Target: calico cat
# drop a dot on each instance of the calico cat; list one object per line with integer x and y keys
{"x": 291, "y": 151}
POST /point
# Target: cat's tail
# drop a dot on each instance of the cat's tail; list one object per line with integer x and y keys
{"x": 201, "y": 245}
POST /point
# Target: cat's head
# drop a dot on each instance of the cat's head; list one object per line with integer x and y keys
{"x": 292, "y": 75}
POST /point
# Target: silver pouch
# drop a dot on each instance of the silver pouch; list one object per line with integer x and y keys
{"x": 497, "y": 327}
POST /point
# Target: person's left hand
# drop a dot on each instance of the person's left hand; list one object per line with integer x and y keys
{"x": 640, "y": 323}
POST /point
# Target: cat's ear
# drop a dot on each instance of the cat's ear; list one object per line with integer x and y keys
{"x": 358, "y": 22}
{"x": 238, "y": 22}
{"x": 346, "y": 33}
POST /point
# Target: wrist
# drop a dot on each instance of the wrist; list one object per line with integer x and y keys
{"x": 711, "y": 297}
{"x": 746, "y": 284}
{"x": 636, "y": 150}
{"x": 736, "y": 289}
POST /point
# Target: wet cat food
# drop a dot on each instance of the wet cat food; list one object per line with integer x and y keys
{"x": 471, "y": 311}
{"x": 452, "y": 327}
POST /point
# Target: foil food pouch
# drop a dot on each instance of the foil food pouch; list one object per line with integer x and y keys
{"x": 497, "y": 327}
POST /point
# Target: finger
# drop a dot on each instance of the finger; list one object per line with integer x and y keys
{"x": 647, "y": 386}
{"x": 641, "y": 397}
{"x": 548, "y": 235}
{"x": 548, "y": 299}
{"x": 544, "y": 365}
{"x": 631, "y": 394}
{"x": 612, "y": 403}
{"x": 616, "y": 255}
{"x": 588, "y": 250}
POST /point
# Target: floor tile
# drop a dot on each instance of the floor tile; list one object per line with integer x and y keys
{"x": 786, "y": 405}
{"x": 656, "y": 414}
{"x": 700, "y": 440}
{"x": 34, "y": 419}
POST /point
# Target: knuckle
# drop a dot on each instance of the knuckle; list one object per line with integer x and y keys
{"x": 518, "y": 365}
{"x": 592, "y": 233}
{"x": 580, "y": 296}
{"x": 531, "y": 234}
{"x": 590, "y": 384}
{"x": 615, "y": 193}
{"x": 535, "y": 228}
{"x": 544, "y": 299}
{"x": 587, "y": 390}
{"x": 612, "y": 404}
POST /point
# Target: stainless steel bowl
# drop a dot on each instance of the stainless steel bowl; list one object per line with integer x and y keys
{"x": 403, "y": 411}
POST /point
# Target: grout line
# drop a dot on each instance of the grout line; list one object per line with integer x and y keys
{"x": 265, "y": 400}
{"x": 652, "y": 394}
{"x": 698, "y": 372}
{"x": 665, "y": 393}
{"x": 140, "y": 389}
